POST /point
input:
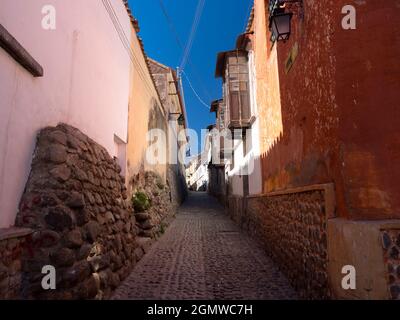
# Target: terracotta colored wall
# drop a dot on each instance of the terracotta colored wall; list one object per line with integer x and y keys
{"x": 333, "y": 116}
{"x": 367, "y": 93}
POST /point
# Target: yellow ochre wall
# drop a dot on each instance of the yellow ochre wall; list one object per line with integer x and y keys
{"x": 144, "y": 104}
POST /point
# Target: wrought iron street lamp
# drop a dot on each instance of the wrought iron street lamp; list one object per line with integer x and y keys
{"x": 279, "y": 20}
{"x": 280, "y": 26}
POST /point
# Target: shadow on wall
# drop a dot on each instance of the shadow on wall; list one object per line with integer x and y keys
{"x": 315, "y": 132}
{"x": 300, "y": 145}
{"x": 199, "y": 188}
{"x": 177, "y": 183}
{"x": 158, "y": 120}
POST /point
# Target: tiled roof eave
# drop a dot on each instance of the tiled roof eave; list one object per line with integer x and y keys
{"x": 251, "y": 20}
{"x": 134, "y": 21}
{"x": 135, "y": 25}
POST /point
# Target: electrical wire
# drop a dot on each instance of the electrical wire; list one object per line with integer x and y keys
{"x": 124, "y": 39}
{"x": 170, "y": 23}
{"x": 195, "y": 25}
{"x": 179, "y": 43}
{"x": 198, "y": 78}
{"x": 194, "y": 91}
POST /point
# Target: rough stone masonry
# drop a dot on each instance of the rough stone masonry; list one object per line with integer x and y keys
{"x": 77, "y": 205}
{"x": 292, "y": 228}
{"x": 391, "y": 255}
{"x": 12, "y": 242}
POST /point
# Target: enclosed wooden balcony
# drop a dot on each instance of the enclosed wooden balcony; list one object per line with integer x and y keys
{"x": 233, "y": 67}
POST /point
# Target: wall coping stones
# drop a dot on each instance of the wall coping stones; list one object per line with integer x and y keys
{"x": 14, "y": 232}
{"x": 329, "y": 194}
{"x": 389, "y": 224}
{"x": 382, "y": 225}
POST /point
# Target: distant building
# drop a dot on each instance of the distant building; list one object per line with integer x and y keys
{"x": 197, "y": 173}
{"x": 237, "y": 117}
{"x": 168, "y": 86}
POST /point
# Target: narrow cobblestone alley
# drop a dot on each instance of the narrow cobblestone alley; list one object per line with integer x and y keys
{"x": 204, "y": 255}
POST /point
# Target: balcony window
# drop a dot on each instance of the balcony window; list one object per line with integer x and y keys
{"x": 233, "y": 67}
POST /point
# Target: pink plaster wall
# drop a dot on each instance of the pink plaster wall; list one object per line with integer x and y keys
{"x": 85, "y": 83}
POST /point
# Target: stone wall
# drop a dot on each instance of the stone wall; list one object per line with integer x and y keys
{"x": 216, "y": 183}
{"x": 177, "y": 183}
{"x": 76, "y": 203}
{"x": 391, "y": 255}
{"x": 152, "y": 222}
{"x": 370, "y": 246}
{"x": 236, "y": 210}
{"x": 12, "y": 243}
{"x": 293, "y": 229}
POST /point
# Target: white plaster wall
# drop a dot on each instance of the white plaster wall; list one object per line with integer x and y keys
{"x": 255, "y": 175}
{"x": 254, "y": 163}
{"x": 85, "y": 83}
{"x": 200, "y": 176}
{"x": 235, "y": 174}
{"x": 250, "y": 163}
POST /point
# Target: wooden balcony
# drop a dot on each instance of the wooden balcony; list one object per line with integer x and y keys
{"x": 233, "y": 67}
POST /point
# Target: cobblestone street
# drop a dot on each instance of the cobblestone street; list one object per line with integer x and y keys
{"x": 203, "y": 255}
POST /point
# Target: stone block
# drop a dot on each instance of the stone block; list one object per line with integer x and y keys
{"x": 364, "y": 245}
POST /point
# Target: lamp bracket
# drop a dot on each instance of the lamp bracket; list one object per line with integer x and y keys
{"x": 276, "y": 6}
{"x": 293, "y": 2}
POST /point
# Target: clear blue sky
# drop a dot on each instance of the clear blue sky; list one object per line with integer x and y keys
{"x": 222, "y": 21}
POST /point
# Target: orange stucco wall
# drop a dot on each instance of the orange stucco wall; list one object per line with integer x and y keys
{"x": 145, "y": 112}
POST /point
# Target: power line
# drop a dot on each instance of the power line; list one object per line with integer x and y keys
{"x": 170, "y": 23}
{"x": 198, "y": 78}
{"x": 179, "y": 43}
{"x": 194, "y": 91}
{"x": 195, "y": 25}
{"x": 124, "y": 39}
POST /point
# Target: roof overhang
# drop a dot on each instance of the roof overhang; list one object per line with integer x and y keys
{"x": 243, "y": 40}
{"x": 215, "y": 105}
{"x": 211, "y": 127}
{"x": 221, "y": 61}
